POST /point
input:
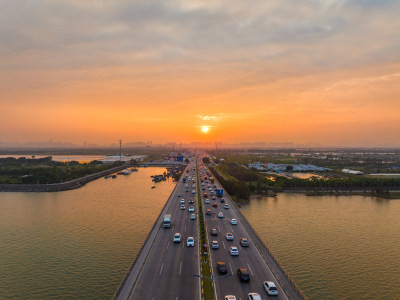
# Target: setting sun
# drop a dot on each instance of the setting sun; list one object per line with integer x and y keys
{"x": 204, "y": 129}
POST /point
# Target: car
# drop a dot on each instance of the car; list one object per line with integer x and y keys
{"x": 179, "y": 195}
{"x": 270, "y": 288}
{"x": 254, "y": 296}
{"x": 192, "y": 217}
{"x": 182, "y": 206}
{"x": 191, "y": 208}
{"x": 209, "y": 189}
{"x": 207, "y": 201}
{"x": 213, "y": 198}
{"x": 222, "y": 200}
{"x": 214, "y": 205}
{"x": 226, "y": 206}
{"x": 244, "y": 242}
{"x": 193, "y": 192}
{"x": 205, "y": 195}
{"x": 220, "y": 215}
{"x": 221, "y": 267}
{"x": 214, "y": 232}
{"x": 230, "y": 297}
{"x": 182, "y": 201}
{"x": 234, "y": 251}
{"x": 191, "y": 201}
{"x": 234, "y": 222}
{"x": 214, "y": 245}
{"x": 229, "y": 236}
{"x": 208, "y": 212}
{"x": 243, "y": 275}
{"x": 177, "y": 237}
{"x": 193, "y": 185}
{"x": 190, "y": 241}
{"x": 203, "y": 188}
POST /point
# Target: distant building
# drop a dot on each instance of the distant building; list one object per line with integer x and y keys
{"x": 353, "y": 172}
{"x": 285, "y": 167}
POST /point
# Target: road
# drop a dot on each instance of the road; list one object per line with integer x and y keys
{"x": 168, "y": 269}
{"x": 249, "y": 257}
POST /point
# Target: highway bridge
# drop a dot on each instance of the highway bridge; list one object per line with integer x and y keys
{"x": 167, "y": 270}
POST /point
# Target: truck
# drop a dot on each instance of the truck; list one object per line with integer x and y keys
{"x": 167, "y": 221}
{"x": 220, "y": 192}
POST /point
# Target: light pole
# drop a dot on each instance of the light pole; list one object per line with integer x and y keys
{"x": 212, "y": 279}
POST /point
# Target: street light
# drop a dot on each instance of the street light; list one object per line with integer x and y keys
{"x": 212, "y": 279}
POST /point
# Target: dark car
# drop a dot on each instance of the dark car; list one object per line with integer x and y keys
{"x": 190, "y": 201}
{"x": 214, "y": 232}
{"x": 243, "y": 275}
{"x": 221, "y": 267}
{"x": 244, "y": 242}
{"x": 208, "y": 212}
{"x": 214, "y": 205}
{"x": 222, "y": 200}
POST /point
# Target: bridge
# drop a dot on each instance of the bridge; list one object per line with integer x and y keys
{"x": 167, "y": 270}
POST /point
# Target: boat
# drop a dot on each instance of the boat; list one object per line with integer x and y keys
{"x": 153, "y": 187}
{"x": 126, "y": 171}
{"x": 114, "y": 176}
{"x": 107, "y": 176}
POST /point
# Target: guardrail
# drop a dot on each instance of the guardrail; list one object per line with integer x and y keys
{"x": 275, "y": 260}
{"x": 127, "y": 273}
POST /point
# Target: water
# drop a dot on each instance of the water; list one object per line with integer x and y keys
{"x": 79, "y": 243}
{"x": 333, "y": 247}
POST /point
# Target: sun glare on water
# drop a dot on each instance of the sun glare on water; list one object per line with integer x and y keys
{"x": 204, "y": 129}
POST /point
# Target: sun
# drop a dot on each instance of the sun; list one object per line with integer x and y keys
{"x": 205, "y": 129}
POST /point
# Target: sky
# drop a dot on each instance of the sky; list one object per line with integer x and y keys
{"x": 315, "y": 71}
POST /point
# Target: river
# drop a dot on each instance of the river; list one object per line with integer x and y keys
{"x": 333, "y": 247}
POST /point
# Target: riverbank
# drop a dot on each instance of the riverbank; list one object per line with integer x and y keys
{"x": 58, "y": 187}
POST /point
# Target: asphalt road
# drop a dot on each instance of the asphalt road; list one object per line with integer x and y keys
{"x": 249, "y": 257}
{"x": 168, "y": 270}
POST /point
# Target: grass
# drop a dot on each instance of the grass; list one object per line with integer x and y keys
{"x": 204, "y": 260}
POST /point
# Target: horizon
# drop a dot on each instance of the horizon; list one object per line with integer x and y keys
{"x": 316, "y": 73}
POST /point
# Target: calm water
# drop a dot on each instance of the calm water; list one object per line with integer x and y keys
{"x": 333, "y": 247}
{"x": 76, "y": 244}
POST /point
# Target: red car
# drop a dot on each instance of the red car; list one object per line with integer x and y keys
{"x": 208, "y": 212}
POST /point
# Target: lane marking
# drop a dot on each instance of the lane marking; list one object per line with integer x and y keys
{"x": 230, "y": 267}
{"x": 180, "y": 271}
{"x": 169, "y": 242}
{"x": 162, "y": 266}
{"x": 219, "y": 229}
{"x": 223, "y": 244}
{"x": 250, "y": 270}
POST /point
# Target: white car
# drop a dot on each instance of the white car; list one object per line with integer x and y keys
{"x": 230, "y": 297}
{"x": 190, "y": 241}
{"x": 214, "y": 245}
{"x": 229, "y": 236}
{"x": 254, "y": 296}
{"x": 191, "y": 208}
{"x": 270, "y": 288}
{"x": 234, "y": 222}
{"x": 226, "y": 206}
{"x": 220, "y": 215}
{"x": 183, "y": 201}
{"x": 234, "y": 250}
{"x": 192, "y": 217}
{"x": 193, "y": 192}
{"x": 207, "y": 201}
{"x": 182, "y": 206}
{"x": 177, "y": 237}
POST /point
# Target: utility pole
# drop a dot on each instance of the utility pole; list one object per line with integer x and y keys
{"x": 120, "y": 150}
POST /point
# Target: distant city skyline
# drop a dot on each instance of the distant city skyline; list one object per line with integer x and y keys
{"x": 316, "y": 72}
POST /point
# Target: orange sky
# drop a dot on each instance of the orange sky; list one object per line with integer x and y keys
{"x": 158, "y": 71}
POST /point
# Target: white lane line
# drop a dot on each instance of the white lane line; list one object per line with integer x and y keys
{"x": 219, "y": 229}
{"x": 180, "y": 269}
{"x": 183, "y": 244}
{"x": 230, "y": 267}
{"x": 162, "y": 266}
{"x": 250, "y": 270}
{"x": 169, "y": 242}
{"x": 223, "y": 244}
